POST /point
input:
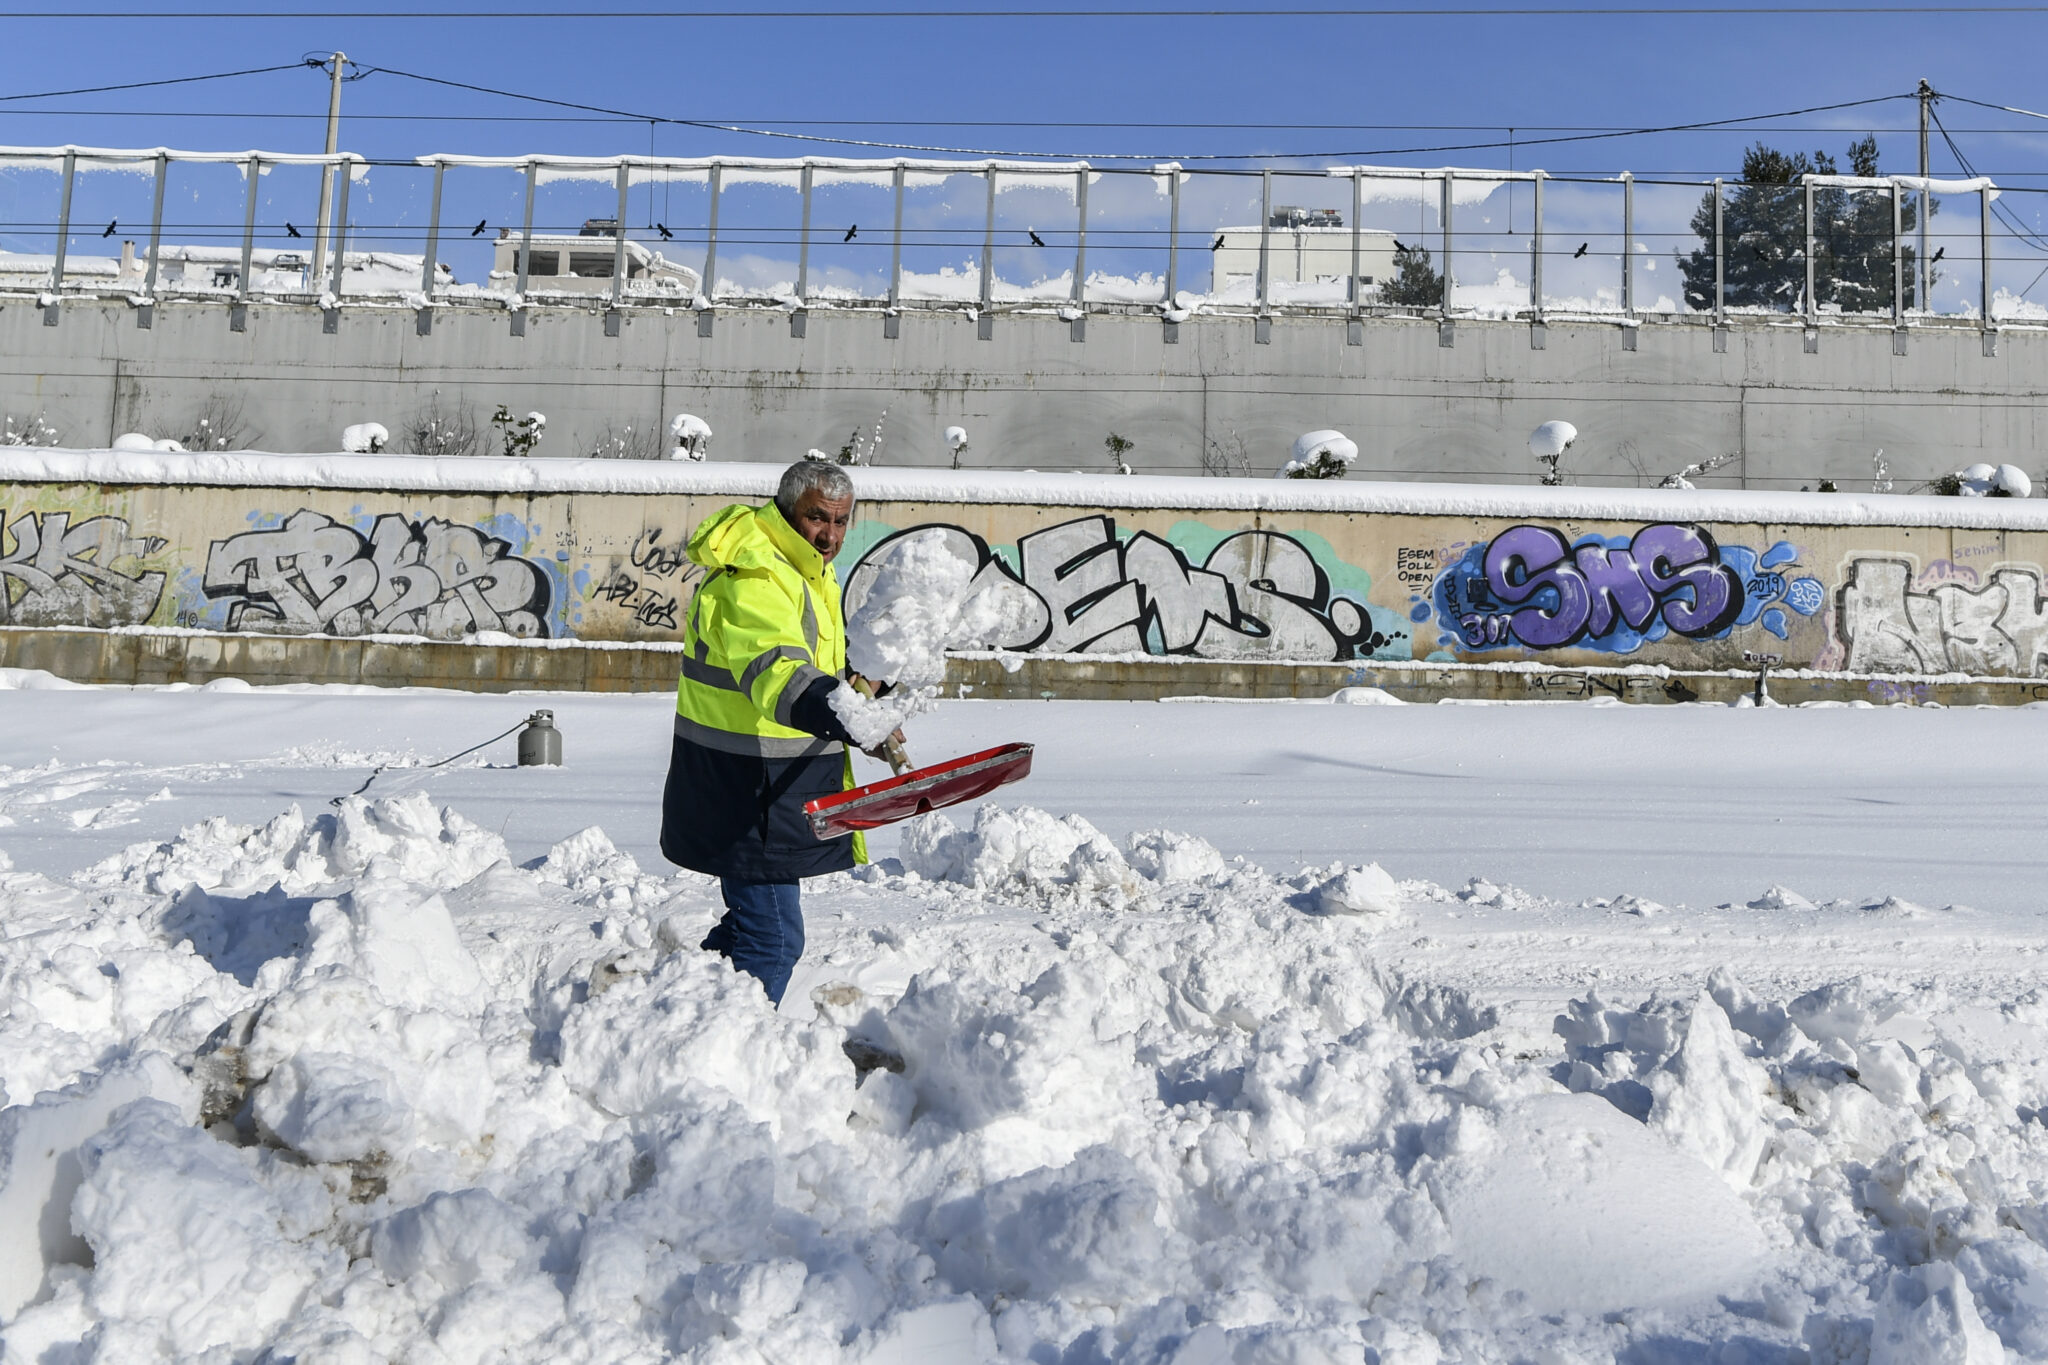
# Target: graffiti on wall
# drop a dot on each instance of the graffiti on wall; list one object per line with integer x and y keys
{"x": 1529, "y": 587}
{"x": 1080, "y": 588}
{"x": 1947, "y": 619}
{"x": 648, "y": 581}
{"x": 428, "y": 577}
{"x": 58, "y": 574}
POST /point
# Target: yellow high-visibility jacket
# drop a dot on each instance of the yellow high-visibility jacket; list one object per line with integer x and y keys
{"x": 764, "y": 643}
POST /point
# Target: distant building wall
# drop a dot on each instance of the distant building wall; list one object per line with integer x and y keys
{"x": 1204, "y": 570}
{"x": 1043, "y": 392}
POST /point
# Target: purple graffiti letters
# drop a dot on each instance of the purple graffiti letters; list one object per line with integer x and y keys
{"x": 1666, "y": 569}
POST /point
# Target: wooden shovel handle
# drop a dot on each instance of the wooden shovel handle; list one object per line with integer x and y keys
{"x": 892, "y": 748}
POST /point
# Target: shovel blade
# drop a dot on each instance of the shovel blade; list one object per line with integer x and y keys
{"x": 919, "y": 791}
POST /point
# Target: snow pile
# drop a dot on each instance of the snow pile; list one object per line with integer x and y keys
{"x": 354, "y": 1087}
{"x": 916, "y": 597}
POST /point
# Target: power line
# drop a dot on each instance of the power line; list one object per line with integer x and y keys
{"x": 710, "y": 125}
{"x": 144, "y": 85}
{"x": 634, "y": 120}
{"x": 1498, "y": 12}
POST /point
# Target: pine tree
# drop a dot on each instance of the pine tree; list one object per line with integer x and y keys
{"x": 1414, "y": 285}
{"x": 1763, "y": 223}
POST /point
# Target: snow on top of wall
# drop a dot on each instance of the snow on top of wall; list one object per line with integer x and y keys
{"x": 414, "y": 473}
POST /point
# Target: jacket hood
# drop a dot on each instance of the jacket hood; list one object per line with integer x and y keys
{"x": 743, "y": 537}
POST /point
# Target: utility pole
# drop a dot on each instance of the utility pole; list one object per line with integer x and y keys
{"x": 333, "y": 143}
{"x": 1926, "y": 103}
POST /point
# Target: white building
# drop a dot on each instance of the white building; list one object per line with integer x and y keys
{"x": 216, "y": 270}
{"x": 581, "y": 263}
{"x": 1304, "y": 247}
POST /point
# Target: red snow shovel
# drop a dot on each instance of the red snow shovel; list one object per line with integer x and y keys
{"x": 918, "y": 791}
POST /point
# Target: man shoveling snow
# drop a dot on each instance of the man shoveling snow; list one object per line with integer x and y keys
{"x": 764, "y": 717}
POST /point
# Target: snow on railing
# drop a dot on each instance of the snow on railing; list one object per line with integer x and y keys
{"x": 1292, "y": 269}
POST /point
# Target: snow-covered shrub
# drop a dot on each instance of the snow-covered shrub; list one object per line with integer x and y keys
{"x": 692, "y": 435}
{"x": 956, "y": 441}
{"x": 32, "y": 430}
{"x": 1320, "y": 455}
{"x": 365, "y": 438}
{"x": 1548, "y": 443}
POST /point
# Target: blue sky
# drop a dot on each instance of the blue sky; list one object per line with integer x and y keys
{"x": 1360, "y": 87}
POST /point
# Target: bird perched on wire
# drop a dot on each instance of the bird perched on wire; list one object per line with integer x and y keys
{"x": 666, "y": 235}
{"x": 1581, "y": 251}
{"x": 1036, "y": 240}
{"x": 478, "y": 230}
{"x": 291, "y": 231}
{"x": 850, "y": 232}
{"x": 110, "y": 228}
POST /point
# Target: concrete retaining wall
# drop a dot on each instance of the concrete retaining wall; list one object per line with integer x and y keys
{"x": 266, "y": 567}
{"x": 1422, "y": 402}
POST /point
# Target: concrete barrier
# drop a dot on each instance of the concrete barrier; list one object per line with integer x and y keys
{"x": 504, "y": 574}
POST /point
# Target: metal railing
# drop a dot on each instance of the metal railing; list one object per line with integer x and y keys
{"x": 1452, "y": 192}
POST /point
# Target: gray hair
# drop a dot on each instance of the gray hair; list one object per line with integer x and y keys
{"x": 805, "y": 475}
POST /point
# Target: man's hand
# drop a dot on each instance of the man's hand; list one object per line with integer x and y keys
{"x": 880, "y": 753}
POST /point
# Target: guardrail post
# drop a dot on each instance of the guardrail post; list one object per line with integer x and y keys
{"x": 1720, "y": 260}
{"x": 525, "y": 266}
{"x": 346, "y": 170}
{"x": 1898, "y": 260}
{"x": 63, "y": 236}
{"x": 145, "y": 316}
{"x": 1080, "y": 236}
{"x": 1351, "y": 292}
{"x": 1265, "y": 235}
{"x": 1812, "y": 304}
{"x": 1172, "y": 233}
{"x": 1444, "y": 304}
{"x": 619, "y": 242}
{"x": 985, "y": 325}
{"x": 1628, "y": 245}
{"x": 1984, "y": 268}
{"x": 896, "y": 243}
{"x": 238, "y": 319}
{"x": 428, "y": 278}
{"x": 803, "y": 248}
{"x": 64, "y": 221}
{"x": 710, "y": 281}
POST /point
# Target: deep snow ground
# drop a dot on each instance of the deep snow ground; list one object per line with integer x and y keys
{"x": 1560, "y": 806}
{"x": 1675, "y": 1035}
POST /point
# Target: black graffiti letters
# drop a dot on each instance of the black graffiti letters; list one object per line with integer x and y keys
{"x": 1079, "y": 589}
{"x": 58, "y": 574}
{"x": 430, "y": 577}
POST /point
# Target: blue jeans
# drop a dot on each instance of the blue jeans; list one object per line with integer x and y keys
{"x": 762, "y": 933}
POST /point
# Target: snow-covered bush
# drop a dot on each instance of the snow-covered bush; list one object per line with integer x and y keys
{"x": 365, "y": 438}
{"x": 956, "y": 441}
{"x": 1984, "y": 481}
{"x": 135, "y": 440}
{"x": 32, "y": 430}
{"x": 1320, "y": 455}
{"x": 1548, "y": 443}
{"x": 692, "y": 435}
